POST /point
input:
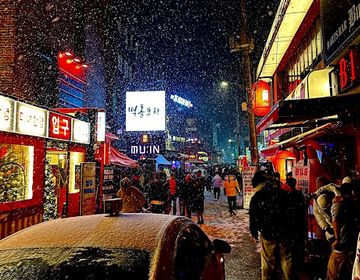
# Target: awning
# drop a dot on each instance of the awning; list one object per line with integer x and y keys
{"x": 296, "y": 140}
{"x": 160, "y": 159}
{"x": 110, "y": 136}
{"x": 118, "y": 158}
{"x": 300, "y": 110}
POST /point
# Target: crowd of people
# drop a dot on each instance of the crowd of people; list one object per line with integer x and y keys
{"x": 278, "y": 220}
{"x": 278, "y": 214}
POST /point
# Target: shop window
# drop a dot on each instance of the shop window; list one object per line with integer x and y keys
{"x": 16, "y": 172}
{"x": 74, "y": 180}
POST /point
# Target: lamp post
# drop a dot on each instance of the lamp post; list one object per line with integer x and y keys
{"x": 225, "y": 84}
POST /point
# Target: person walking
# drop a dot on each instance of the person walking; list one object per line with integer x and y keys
{"x": 217, "y": 183}
{"x": 345, "y": 231}
{"x": 297, "y": 233}
{"x": 172, "y": 185}
{"x": 158, "y": 194}
{"x": 268, "y": 216}
{"x": 197, "y": 204}
{"x": 231, "y": 186}
{"x": 132, "y": 198}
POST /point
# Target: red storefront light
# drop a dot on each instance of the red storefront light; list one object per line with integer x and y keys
{"x": 261, "y": 91}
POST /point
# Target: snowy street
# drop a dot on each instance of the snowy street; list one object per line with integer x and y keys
{"x": 244, "y": 260}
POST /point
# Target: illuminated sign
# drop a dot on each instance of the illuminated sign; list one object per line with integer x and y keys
{"x": 181, "y": 101}
{"x": 145, "y": 111}
{"x": 100, "y": 127}
{"x": 31, "y": 120}
{"x": 6, "y": 114}
{"x": 348, "y": 70}
{"x": 145, "y": 149}
{"x": 81, "y": 132}
{"x": 59, "y": 126}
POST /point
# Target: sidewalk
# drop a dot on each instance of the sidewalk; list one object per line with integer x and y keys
{"x": 243, "y": 263}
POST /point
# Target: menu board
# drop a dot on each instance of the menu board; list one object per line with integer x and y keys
{"x": 108, "y": 181}
{"x": 247, "y": 175}
{"x": 88, "y": 186}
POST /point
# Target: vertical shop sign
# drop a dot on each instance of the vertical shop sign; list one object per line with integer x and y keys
{"x": 247, "y": 175}
{"x": 31, "y": 120}
{"x": 6, "y": 114}
{"x": 100, "y": 126}
{"x": 302, "y": 176}
{"x": 108, "y": 182}
{"x": 87, "y": 190}
{"x": 59, "y": 126}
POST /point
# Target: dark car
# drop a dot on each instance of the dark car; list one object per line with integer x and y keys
{"x": 127, "y": 246}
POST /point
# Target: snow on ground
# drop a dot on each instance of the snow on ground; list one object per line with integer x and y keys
{"x": 243, "y": 263}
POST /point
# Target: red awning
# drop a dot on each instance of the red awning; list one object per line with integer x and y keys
{"x": 118, "y": 158}
{"x": 298, "y": 139}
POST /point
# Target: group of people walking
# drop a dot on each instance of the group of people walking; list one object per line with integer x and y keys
{"x": 163, "y": 195}
{"x": 278, "y": 220}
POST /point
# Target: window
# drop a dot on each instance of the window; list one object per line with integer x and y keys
{"x": 75, "y": 159}
{"x": 16, "y": 172}
{"x": 192, "y": 252}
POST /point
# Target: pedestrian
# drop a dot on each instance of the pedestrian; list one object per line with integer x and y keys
{"x": 231, "y": 186}
{"x": 297, "y": 227}
{"x": 217, "y": 183}
{"x": 132, "y": 198}
{"x": 197, "y": 204}
{"x": 276, "y": 179}
{"x": 285, "y": 186}
{"x": 268, "y": 216}
{"x": 322, "y": 213}
{"x": 185, "y": 194}
{"x": 158, "y": 194}
{"x": 345, "y": 231}
{"x": 172, "y": 185}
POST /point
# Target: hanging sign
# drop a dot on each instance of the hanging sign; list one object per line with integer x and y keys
{"x": 59, "y": 126}
{"x": 31, "y": 120}
{"x": 6, "y": 114}
{"x": 100, "y": 127}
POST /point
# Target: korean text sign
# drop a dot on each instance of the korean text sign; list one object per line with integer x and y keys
{"x": 59, "y": 126}
{"x": 6, "y": 114}
{"x": 145, "y": 111}
{"x": 31, "y": 120}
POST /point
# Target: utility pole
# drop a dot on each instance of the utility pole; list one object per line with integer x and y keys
{"x": 245, "y": 45}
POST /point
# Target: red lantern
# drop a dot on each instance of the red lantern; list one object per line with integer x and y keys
{"x": 261, "y": 91}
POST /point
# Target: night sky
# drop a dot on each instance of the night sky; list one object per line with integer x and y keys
{"x": 188, "y": 41}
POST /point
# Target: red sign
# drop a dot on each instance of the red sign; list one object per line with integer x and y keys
{"x": 59, "y": 126}
{"x": 349, "y": 72}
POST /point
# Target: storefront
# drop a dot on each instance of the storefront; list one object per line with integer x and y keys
{"x": 313, "y": 127}
{"x": 32, "y": 188}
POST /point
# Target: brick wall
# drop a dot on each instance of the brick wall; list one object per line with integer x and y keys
{"x": 7, "y": 45}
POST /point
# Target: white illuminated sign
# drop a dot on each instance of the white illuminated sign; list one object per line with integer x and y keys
{"x": 100, "y": 127}
{"x": 80, "y": 132}
{"x": 6, "y": 114}
{"x": 145, "y": 111}
{"x": 181, "y": 101}
{"x": 31, "y": 120}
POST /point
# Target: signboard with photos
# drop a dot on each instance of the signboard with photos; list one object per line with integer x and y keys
{"x": 248, "y": 190}
{"x": 88, "y": 188}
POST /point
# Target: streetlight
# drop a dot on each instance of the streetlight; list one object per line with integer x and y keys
{"x": 225, "y": 85}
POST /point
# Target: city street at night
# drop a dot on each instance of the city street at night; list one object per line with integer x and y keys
{"x": 180, "y": 140}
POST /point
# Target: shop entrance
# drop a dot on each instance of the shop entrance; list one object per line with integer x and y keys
{"x": 56, "y": 181}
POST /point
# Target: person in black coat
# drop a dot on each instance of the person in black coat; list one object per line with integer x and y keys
{"x": 198, "y": 196}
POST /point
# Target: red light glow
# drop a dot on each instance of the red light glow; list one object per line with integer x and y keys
{"x": 68, "y": 61}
